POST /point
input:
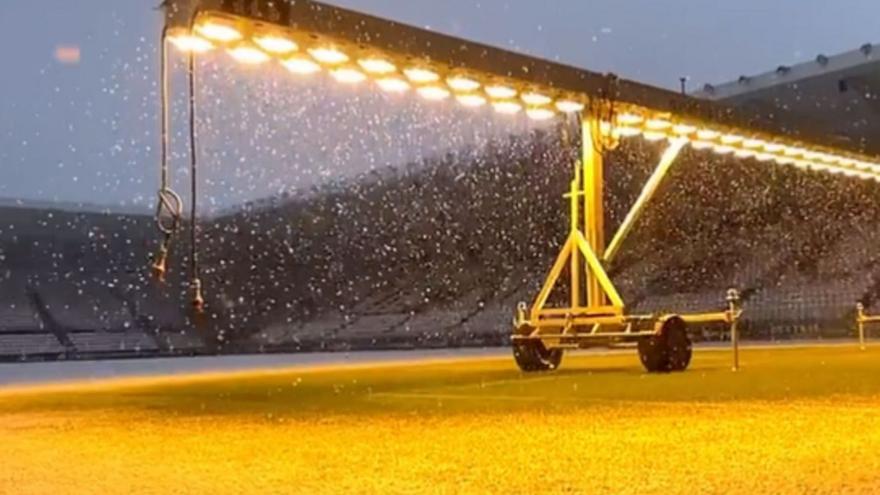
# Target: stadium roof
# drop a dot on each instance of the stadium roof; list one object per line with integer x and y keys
{"x": 840, "y": 92}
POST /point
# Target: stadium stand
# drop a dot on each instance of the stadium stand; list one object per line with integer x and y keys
{"x": 438, "y": 253}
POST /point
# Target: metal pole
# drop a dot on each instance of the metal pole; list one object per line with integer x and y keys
{"x": 860, "y": 321}
{"x": 733, "y": 310}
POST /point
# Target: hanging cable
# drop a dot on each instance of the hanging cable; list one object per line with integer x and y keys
{"x": 197, "y": 299}
{"x": 169, "y": 207}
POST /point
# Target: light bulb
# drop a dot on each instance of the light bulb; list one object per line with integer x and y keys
{"x": 190, "y": 43}
{"x": 276, "y": 44}
{"x": 421, "y": 76}
{"x": 536, "y": 99}
{"x": 569, "y": 106}
{"x": 459, "y": 83}
{"x": 540, "y": 113}
{"x": 348, "y": 75}
{"x": 248, "y": 54}
{"x": 301, "y": 65}
{"x": 433, "y": 93}
{"x": 327, "y": 55}
{"x": 507, "y": 107}
{"x": 377, "y": 66}
{"x": 393, "y": 84}
{"x": 501, "y": 92}
{"x": 217, "y": 29}
{"x": 471, "y": 100}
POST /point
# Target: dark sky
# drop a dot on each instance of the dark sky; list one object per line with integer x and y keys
{"x": 84, "y": 131}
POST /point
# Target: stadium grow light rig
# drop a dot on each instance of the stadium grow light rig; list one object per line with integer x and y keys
{"x": 307, "y": 37}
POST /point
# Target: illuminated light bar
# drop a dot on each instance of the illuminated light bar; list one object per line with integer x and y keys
{"x": 348, "y": 75}
{"x": 657, "y": 125}
{"x": 501, "y": 92}
{"x": 393, "y": 85}
{"x": 433, "y": 93}
{"x": 249, "y": 54}
{"x": 536, "y": 99}
{"x": 275, "y": 44}
{"x": 219, "y": 29}
{"x": 629, "y": 119}
{"x": 421, "y": 76}
{"x": 464, "y": 84}
{"x": 707, "y": 135}
{"x": 783, "y": 160}
{"x": 723, "y": 149}
{"x": 514, "y": 82}
{"x": 626, "y": 131}
{"x": 471, "y": 100}
{"x": 190, "y": 43}
{"x": 301, "y": 65}
{"x": 507, "y": 107}
{"x": 654, "y": 135}
{"x": 729, "y": 139}
{"x": 569, "y": 106}
{"x": 744, "y": 153}
{"x": 540, "y": 113}
{"x": 683, "y": 129}
{"x": 329, "y": 56}
{"x": 377, "y": 66}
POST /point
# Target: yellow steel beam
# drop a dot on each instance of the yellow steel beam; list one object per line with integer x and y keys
{"x": 647, "y": 193}
{"x": 597, "y": 272}
{"x": 550, "y": 282}
{"x": 594, "y": 211}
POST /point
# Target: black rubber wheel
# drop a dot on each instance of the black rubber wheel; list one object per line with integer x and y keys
{"x": 679, "y": 344}
{"x": 669, "y": 350}
{"x": 654, "y": 354}
{"x": 532, "y": 356}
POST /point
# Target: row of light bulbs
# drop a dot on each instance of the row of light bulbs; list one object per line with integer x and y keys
{"x": 722, "y": 143}
{"x": 265, "y": 43}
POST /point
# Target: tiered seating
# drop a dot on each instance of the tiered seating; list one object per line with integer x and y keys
{"x": 84, "y": 306}
{"x": 25, "y": 345}
{"x": 112, "y": 342}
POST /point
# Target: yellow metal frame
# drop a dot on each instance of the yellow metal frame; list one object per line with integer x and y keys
{"x": 595, "y": 313}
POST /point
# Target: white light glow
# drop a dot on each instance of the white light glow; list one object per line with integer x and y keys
{"x": 327, "y": 55}
{"x": 507, "y": 107}
{"x": 540, "y": 113}
{"x": 377, "y": 66}
{"x": 501, "y": 92}
{"x": 219, "y": 30}
{"x": 421, "y": 76}
{"x": 301, "y": 65}
{"x": 683, "y": 129}
{"x": 278, "y": 45}
{"x": 191, "y": 43}
{"x": 568, "y": 106}
{"x": 629, "y": 119}
{"x": 433, "y": 93}
{"x": 459, "y": 83}
{"x": 393, "y": 84}
{"x": 536, "y": 99}
{"x": 348, "y": 75}
{"x": 249, "y": 54}
{"x": 731, "y": 139}
{"x": 471, "y": 100}
{"x": 707, "y": 134}
{"x": 657, "y": 124}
